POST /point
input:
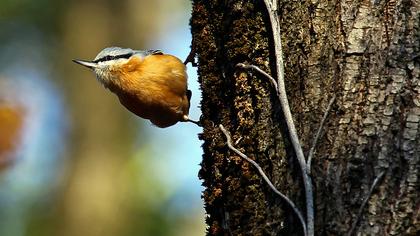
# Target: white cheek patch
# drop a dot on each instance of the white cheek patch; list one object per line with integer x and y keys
{"x": 103, "y": 76}
{"x": 104, "y": 72}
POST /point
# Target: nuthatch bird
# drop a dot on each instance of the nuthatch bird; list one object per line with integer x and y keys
{"x": 151, "y": 84}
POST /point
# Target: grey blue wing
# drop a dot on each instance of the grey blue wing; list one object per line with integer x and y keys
{"x": 146, "y": 53}
{"x": 154, "y": 52}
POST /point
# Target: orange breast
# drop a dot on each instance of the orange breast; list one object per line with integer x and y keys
{"x": 155, "y": 88}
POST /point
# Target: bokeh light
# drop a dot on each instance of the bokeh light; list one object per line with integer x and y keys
{"x": 73, "y": 161}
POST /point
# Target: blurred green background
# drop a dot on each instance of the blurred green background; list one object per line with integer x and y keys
{"x": 73, "y": 161}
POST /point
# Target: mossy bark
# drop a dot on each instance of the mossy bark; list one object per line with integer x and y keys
{"x": 364, "y": 52}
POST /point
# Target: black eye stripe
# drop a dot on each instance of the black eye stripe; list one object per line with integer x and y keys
{"x": 109, "y": 58}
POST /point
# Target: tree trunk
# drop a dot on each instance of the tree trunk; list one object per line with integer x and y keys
{"x": 364, "y": 52}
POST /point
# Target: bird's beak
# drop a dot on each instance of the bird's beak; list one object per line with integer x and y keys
{"x": 88, "y": 64}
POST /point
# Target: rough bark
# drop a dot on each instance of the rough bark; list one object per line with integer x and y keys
{"x": 367, "y": 54}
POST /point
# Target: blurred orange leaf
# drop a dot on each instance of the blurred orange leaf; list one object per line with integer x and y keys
{"x": 11, "y": 120}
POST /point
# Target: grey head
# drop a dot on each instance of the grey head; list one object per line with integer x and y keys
{"x": 107, "y": 56}
{"x": 112, "y": 56}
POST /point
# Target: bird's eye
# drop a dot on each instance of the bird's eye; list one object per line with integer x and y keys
{"x": 105, "y": 58}
{"x": 126, "y": 56}
{"x": 109, "y": 58}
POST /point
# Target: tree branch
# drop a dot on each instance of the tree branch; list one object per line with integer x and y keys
{"x": 266, "y": 179}
{"x": 296, "y": 146}
{"x": 362, "y": 207}
{"x": 318, "y": 134}
{"x": 272, "y": 80}
{"x": 271, "y": 6}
